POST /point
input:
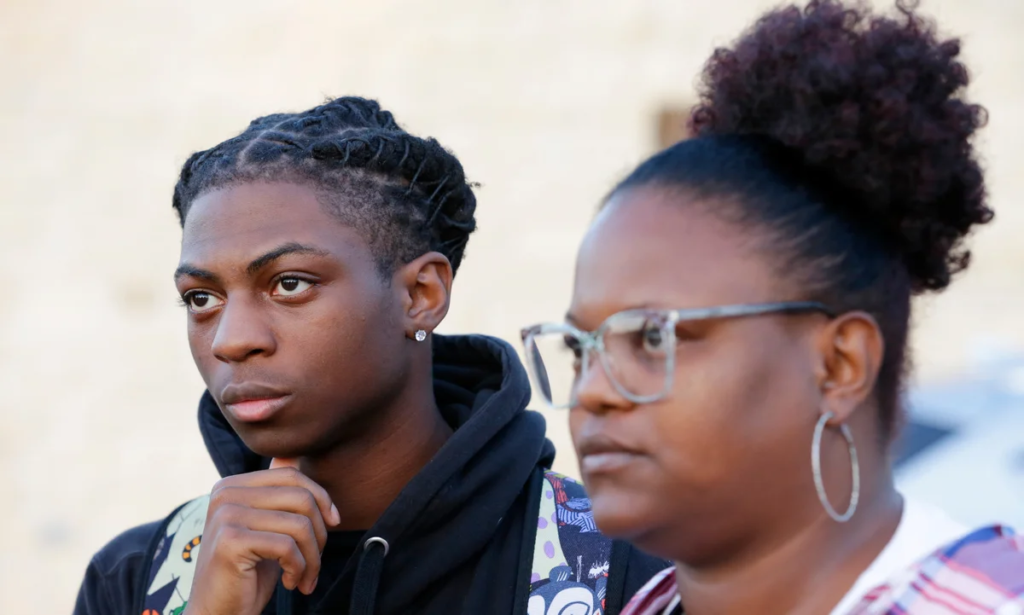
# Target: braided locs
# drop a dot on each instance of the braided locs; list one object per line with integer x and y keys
{"x": 407, "y": 195}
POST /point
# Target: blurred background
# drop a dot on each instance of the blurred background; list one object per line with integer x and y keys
{"x": 547, "y": 103}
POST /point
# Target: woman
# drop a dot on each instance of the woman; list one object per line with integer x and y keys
{"x": 317, "y": 258}
{"x": 737, "y": 339}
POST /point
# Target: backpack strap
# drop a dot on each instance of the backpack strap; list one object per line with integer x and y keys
{"x": 571, "y": 559}
{"x": 172, "y": 556}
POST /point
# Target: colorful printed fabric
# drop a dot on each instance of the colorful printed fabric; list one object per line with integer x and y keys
{"x": 170, "y": 577}
{"x": 980, "y": 574}
{"x": 571, "y": 558}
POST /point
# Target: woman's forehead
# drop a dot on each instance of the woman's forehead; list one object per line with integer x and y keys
{"x": 649, "y": 247}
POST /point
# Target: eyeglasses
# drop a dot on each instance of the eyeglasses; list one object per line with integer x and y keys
{"x": 637, "y": 349}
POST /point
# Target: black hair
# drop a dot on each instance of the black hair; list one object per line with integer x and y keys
{"x": 407, "y": 195}
{"x": 843, "y": 136}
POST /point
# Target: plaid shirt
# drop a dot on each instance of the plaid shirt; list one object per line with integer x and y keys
{"x": 980, "y": 574}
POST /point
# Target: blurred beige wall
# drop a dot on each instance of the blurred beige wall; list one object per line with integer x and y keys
{"x": 546, "y": 103}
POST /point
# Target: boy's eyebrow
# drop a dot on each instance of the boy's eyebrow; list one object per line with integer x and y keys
{"x": 186, "y": 269}
{"x": 288, "y": 248}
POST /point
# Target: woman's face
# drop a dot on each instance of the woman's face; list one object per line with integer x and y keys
{"x": 727, "y": 451}
{"x": 295, "y": 333}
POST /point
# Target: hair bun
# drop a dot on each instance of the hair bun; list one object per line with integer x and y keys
{"x": 874, "y": 104}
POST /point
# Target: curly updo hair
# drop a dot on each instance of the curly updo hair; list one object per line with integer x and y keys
{"x": 405, "y": 194}
{"x": 844, "y": 138}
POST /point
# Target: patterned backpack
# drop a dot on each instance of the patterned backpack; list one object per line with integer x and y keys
{"x": 571, "y": 559}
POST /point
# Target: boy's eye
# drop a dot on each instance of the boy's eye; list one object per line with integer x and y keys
{"x": 291, "y": 286}
{"x": 201, "y": 301}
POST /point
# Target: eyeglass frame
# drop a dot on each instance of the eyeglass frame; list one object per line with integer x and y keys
{"x": 593, "y": 341}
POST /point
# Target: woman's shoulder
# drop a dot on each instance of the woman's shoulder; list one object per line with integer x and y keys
{"x": 656, "y": 596}
{"x": 983, "y": 572}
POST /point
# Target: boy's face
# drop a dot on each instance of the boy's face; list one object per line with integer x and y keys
{"x": 294, "y": 331}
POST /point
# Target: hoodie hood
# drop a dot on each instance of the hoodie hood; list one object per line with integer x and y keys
{"x": 464, "y": 512}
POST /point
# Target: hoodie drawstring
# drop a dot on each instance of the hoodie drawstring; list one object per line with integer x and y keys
{"x": 367, "y": 581}
{"x": 364, "y": 588}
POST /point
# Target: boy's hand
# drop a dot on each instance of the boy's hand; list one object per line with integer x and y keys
{"x": 260, "y": 527}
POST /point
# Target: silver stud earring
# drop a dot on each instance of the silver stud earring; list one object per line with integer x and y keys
{"x": 421, "y": 335}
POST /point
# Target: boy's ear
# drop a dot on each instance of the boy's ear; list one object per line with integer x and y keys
{"x": 425, "y": 284}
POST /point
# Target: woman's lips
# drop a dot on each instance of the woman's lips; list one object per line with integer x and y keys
{"x": 606, "y": 462}
{"x": 601, "y": 454}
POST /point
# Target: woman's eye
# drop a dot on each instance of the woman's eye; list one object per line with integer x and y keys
{"x": 573, "y": 345}
{"x": 654, "y": 339}
{"x": 201, "y": 301}
{"x": 289, "y": 287}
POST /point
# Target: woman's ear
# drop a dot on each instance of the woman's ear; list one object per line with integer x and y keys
{"x": 851, "y": 347}
{"x": 425, "y": 284}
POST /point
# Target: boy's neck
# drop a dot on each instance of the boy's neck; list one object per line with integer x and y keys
{"x": 365, "y": 475}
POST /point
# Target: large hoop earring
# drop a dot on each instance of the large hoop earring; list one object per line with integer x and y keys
{"x": 819, "y": 484}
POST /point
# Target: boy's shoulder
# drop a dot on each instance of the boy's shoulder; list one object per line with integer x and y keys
{"x": 115, "y": 571}
{"x": 126, "y": 548}
{"x": 144, "y": 566}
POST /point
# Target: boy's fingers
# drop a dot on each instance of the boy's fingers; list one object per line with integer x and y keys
{"x": 284, "y": 462}
{"x": 332, "y": 517}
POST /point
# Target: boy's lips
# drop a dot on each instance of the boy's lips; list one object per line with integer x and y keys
{"x": 252, "y": 402}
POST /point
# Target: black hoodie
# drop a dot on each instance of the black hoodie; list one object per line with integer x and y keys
{"x": 460, "y": 533}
